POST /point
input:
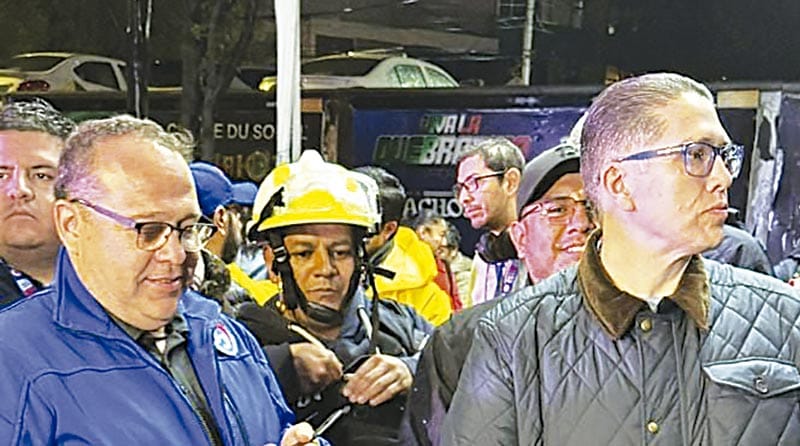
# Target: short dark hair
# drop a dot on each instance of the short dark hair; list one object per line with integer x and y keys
{"x": 499, "y": 154}
{"x": 391, "y": 193}
{"x": 35, "y": 115}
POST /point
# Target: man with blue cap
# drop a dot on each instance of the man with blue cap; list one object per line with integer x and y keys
{"x": 222, "y": 204}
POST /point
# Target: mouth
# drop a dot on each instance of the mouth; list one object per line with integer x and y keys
{"x": 720, "y": 208}
{"x": 573, "y": 247}
{"x": 172, "y": 283}
{"x": 19, "y": 214}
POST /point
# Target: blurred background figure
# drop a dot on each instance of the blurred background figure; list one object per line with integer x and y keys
{"x": 432, "y": 229}
{"x": 398, "y": 249}
{"x": 459, "y": 263}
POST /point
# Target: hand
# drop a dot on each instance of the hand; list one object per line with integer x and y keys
{"x": 299, "y": 435}
{"x": 378, "y": 380}
{"x": 316, "y": 366}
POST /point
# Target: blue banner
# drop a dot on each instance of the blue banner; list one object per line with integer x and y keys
{"x": 421, "y": 147}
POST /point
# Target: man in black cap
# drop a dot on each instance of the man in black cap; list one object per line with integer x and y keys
{"x": 554, "y": 222}
{"x": 554, "y": 214}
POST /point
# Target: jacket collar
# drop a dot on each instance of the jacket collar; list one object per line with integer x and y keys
{"x": 77, "y": 309}
{"x": 616, "y": 309}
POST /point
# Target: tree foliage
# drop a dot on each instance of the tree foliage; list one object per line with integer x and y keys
{"x": 217, "y": 34}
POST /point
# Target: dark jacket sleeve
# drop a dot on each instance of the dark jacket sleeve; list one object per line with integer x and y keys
{"x": 483, "y": 411}
{"x": 437, "y": 375}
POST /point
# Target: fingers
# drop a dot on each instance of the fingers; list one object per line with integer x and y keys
{"x": 299, "y": 435}
{"x": 316, "y": 367}
{"x": 378, "y": 380}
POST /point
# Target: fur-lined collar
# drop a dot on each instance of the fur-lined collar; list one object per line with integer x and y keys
{"x": 616, "y": 310}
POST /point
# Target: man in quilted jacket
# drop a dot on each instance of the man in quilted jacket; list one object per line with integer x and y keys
{"x": 643, "y": 341}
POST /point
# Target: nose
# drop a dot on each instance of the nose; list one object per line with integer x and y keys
{"x": 720, "y": 177}
{"x": 323, "y": 263}
{"x": 18, "y": 187}
{"x": 581, "y": 220}
{"x": 172, "y": 251}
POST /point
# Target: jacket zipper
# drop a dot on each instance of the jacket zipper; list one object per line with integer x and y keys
{"x": 160, "y": 368}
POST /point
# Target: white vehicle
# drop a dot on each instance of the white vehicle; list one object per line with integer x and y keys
{"x": 62, "y": 72}
{"x": 368, "y": 70}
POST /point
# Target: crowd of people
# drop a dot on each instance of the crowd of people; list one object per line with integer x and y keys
{"x": 145, "y": 298}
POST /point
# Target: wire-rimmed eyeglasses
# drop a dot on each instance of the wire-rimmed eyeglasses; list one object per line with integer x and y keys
{"x": 698, "y": 157}
{"x": 559, "y": 210}
{"x": 152, "y": 235}
{"x": 471, "y": 184}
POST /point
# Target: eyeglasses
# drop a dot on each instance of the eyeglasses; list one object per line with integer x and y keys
{"x": 559, "y": 210}
{"x": 471, "y": 184}
{"x": 152, "y": 235}
{"x": 698, "y": 157}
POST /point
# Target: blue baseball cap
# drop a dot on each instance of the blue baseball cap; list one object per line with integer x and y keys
{"x": 214, "y": 189}
{"x": 244, "y": 193}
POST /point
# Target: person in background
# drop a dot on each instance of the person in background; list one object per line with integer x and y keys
{"x": 788, "y": 269}
{"x": 644, "y": 342}
{"x": 741, "y": 249}
{"x": 487, "y": 182}
{"x": 118, "y": 350}
{"x": 32, "y": 135}
{"x": 555, "y": 221}
{"x": 398, "y": 249}
{"x": 432, "y": 229}
{"x": 224, "y": 204}
{"x": 460, "y": 264}
{"x": 334, "y": 349}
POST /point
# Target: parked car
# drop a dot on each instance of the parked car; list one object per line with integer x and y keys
{"x": 368, "y": 70}
{"x": 54, "y": 71}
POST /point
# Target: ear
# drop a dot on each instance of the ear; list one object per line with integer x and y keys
{"x": 67, "y": 222}
{"x": 517, "y": 233}
{"x": 388, "y": 229}
{"x": 269, "y": 257}
{"x": 220, "y": 219}
{"x": 512, "y": 179}
{"x": 612, "y": 182}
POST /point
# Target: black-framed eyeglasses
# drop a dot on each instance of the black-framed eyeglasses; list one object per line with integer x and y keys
{"x": 152, "y": 235}
{"x": 471, "y": 184}
{"x": 698, "y": 157}
{"x": 559, "y": 210}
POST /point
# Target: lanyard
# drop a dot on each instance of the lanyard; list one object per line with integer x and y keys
{"x": 25, "y": 285}
{"x": 505, "y": 279}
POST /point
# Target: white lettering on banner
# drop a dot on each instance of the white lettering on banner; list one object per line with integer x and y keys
{"x": 244, "y": 131}
{"x": 441, "y": 203}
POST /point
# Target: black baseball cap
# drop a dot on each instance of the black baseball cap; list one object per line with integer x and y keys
{"x": 544, "y": 170}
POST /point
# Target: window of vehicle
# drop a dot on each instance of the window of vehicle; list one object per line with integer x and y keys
{"x": 339, "y": 67}
{"x": 410, "y": 76}
{"x": 437, "y": 79}
{"x": 98, "y": 73}
{"x": 33, "y": 63}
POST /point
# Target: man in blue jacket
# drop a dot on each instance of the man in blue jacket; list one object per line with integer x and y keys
{"x": 118, "y": 352}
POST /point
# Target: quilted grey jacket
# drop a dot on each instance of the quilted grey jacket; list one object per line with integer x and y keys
{"x": 574, "y": 361}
